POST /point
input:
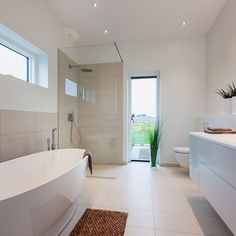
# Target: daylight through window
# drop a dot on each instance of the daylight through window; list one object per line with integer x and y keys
{"x": 13, "y": 63}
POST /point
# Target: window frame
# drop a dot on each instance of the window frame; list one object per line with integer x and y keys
{"x": 25, "y": 55}
{"x": 38, "y": 67}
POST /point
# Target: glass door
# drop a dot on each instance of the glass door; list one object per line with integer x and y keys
{"x": 143, "y": 115}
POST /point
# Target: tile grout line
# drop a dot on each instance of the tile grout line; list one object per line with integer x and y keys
{"x": 153, "y": 214}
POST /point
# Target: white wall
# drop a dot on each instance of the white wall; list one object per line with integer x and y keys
{"x": 182, "y": 68}
{"x": 221, "y": 57}
{"x": 32, "y": 20}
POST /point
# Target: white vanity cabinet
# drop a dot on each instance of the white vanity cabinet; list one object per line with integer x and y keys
{"x": 213, "y": 169}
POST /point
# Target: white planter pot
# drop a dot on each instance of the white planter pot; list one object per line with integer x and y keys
{"x": 234, "y": 105}
{"x": 228, "y": 106}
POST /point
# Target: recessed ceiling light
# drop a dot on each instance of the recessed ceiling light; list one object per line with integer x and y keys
{"x": 95, "y": 4}
{"x": 184, "y": 23}
{"x": 105, "y": 31}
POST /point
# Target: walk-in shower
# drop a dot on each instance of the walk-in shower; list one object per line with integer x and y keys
{"x": 90, "y": 110}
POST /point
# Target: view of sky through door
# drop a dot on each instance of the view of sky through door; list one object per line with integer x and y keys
{"x": 143, "y": 110}
{"x": 144, "y": 97}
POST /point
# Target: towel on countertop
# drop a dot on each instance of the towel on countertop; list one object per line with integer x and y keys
{"x": 219, "y": 129}
{"x": 208, "y": 131}
{"x": 90, "y": 164}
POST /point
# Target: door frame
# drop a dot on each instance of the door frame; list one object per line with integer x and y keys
{"x": 152, "y": 74}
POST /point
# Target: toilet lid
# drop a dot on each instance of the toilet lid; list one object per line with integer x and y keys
{"x": 184, "y": 150}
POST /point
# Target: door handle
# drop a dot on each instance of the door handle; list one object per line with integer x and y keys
{"x": 132, "y": 117}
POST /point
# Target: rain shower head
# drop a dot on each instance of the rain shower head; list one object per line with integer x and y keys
{"x": 76, "y": 66}
{"x": 83, "y": 68}
{"x": 86, "y": 70}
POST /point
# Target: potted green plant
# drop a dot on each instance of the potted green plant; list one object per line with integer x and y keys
{"x": 154, "y": 140}
{"x": 226, "y": 95}
{"x": 232, "y": 90}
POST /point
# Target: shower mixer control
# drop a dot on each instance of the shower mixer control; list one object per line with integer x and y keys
{"x": 71, "y": 117}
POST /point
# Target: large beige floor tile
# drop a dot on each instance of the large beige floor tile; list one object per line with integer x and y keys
{"x": 168, "y": 194}
{"x": 165, "y": 185}
{"x": 171, "y": 206}
{"x": 133, "y": 190}
{"x": 182, "y": 223}
{"x": 127, "y": 202}
{"x": 169, "y": 233}
{"x": 140, "y": 218}
{"x": 139, "y": 232}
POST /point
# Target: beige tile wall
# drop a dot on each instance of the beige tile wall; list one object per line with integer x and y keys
{"x": 23, "y": 132}
{"x": 67, "y": 104}
{"x": 101, "y": 120}
{"x": 98, "y": 112}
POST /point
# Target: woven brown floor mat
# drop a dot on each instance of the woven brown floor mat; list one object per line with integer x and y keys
{"x": 96, "y": 222}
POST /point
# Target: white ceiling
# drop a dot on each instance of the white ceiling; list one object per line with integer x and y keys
{"x": 136, "y": 20}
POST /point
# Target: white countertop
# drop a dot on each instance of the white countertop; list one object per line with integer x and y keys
{"x": 228, "y": 140}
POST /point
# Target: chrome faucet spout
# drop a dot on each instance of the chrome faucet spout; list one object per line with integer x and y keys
{"x": 48, "y": 143}
{"x": 53, "y": 147}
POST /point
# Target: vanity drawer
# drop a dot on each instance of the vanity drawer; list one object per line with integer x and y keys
{"x": 220, "y": 194}
{"x": 219, "y": 158}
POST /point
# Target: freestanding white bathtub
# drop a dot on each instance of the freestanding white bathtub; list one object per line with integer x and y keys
{"x": 39, "y": 192}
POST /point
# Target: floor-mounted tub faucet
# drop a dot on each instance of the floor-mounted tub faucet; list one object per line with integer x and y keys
{"x": 48, "y": 144}
{"x": 53, "y": 139}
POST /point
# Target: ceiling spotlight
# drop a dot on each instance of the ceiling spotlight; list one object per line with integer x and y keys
{"x": 105, "y": 31}
{"x": 95, "y": 4}
{"x": 184, "y": 23}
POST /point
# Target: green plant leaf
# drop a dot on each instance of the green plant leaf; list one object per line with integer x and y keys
{"x": 154, "y": 139}
{"x": 224, "y": 93}
{"x": 231, "y": 89}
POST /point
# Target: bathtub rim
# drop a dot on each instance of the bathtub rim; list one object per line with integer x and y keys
{"x": 44, "y": 182}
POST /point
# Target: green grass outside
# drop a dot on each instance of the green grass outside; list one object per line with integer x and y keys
{"x": 140, "y": 130}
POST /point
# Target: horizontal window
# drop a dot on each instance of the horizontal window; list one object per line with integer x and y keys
{"x": 13, "y": 63}
{"x": 21, "y": 59}
{"x": 71, "y": 88}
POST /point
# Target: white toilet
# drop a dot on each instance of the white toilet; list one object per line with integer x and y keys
{"x": 182, "y": 156}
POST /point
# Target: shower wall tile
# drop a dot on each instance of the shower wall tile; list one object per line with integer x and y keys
{"x": 108, "y": 107}
{"x": 101, "y": 123}
{"x": 110, "y": 120}
{"x": 67, "y": 104}
{"x": 109, "y": 158}
{"x": 88, "y": 109}
{"x": 107, "y": 82}
{"x": 93, "y": 148}
{"x": 61, "y": 81}
{"x": 98, "y": 112}
{"x": 24, "y": 132}
{"x": 65, "y": 141}
{"x": 62, "y": 117}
